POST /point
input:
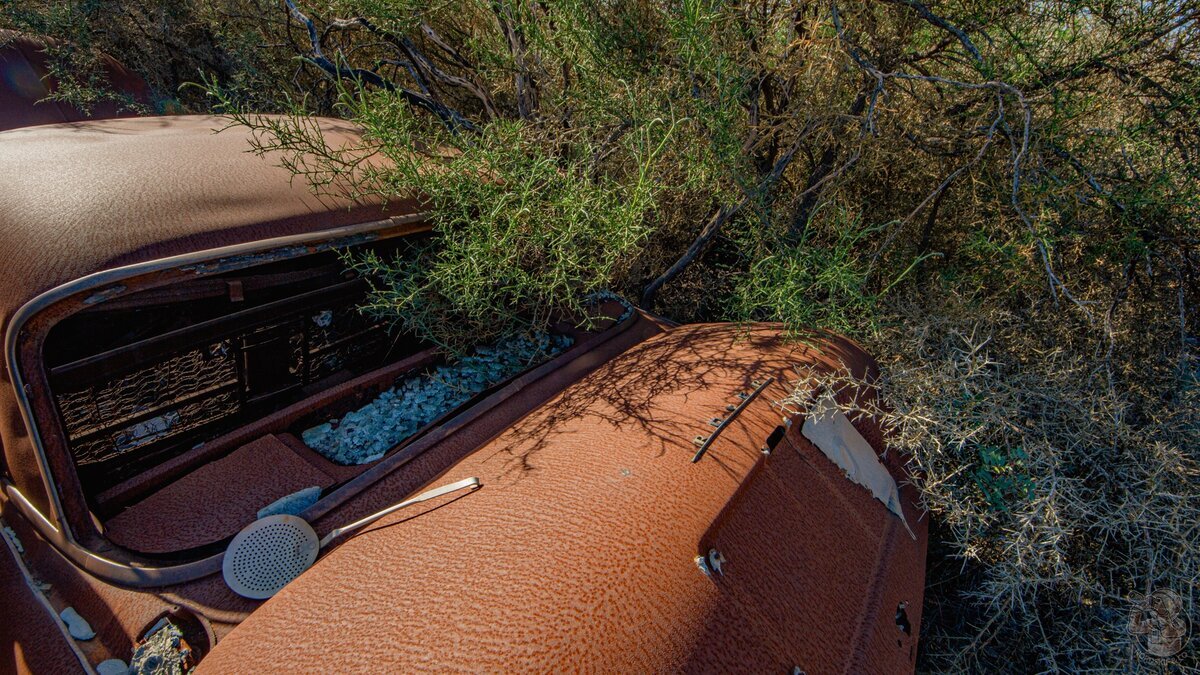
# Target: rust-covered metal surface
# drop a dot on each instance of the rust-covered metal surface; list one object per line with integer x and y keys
{"x": 219, "y": 498}
{"x": 30, "y": 639}
{"x": 87, "y": 196}
{"x": 25, "y": 83}
{"x": 579, "y": 551}
{"x": 121, "y": 615}
{"x": 83, "y": 198}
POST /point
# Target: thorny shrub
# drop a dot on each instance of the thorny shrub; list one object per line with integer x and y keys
{"x": 1064, "y": 499}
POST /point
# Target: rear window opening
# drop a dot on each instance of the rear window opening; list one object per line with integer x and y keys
{"x": 140, "y": 380}
{"x": 216, "y": 396}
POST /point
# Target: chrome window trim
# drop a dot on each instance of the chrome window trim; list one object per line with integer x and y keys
{"x": 55, "y": 528}
{"x": 13, "y": 545}
{"x": 133, "y": 576}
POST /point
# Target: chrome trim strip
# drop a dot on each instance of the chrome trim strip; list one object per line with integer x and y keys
{"x": 728, "y": 419}
{"x": 45, "y": 602}
{"x": 104, "y": 568}
{"x": 55, "y": 529}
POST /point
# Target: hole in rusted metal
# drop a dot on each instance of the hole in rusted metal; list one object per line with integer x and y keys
{"x": 775, "y": 437}
{"x": 902, "y": 620}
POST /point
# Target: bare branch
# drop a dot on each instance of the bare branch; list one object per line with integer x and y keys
{"x": 419, "y": 66}
{"x": 945, "y": 25}
{"x": 1100, "y": 61}
{"x": 450, "y": 117}
{"x": 714, "y": 225}
{"x": 936, "y": 195}
{"x": 1019, "y": 150}
{"x": 526, "y": 85}
{"x": 476, "y": 89}
{"x": 450, "y": 51}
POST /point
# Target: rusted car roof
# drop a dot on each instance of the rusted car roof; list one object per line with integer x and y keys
{"x": 579, "y": 551}
{"x": 84, "y": 197}
{"x": 25, "y": 83}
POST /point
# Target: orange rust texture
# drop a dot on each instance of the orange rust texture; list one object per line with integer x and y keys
{"x": 120, "y": 615}
{"x": 579, "y": 549}
{"x": 207, "y": 192}
{"x": 30, "y": 642}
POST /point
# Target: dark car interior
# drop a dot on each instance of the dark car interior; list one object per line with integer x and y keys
{"x": 171, "y": 398}
{"x": 141, "y": 380}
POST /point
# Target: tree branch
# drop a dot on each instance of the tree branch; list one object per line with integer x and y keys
{"x": 714, "y": 225}
{"x": 1019, "y": 150}
{"x": 526, "y": 85}
{"x": 449, "y": 117}
{"x": 924, "y": 12}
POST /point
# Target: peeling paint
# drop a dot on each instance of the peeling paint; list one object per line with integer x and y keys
{"x": 12, "y": 536}
{"x": 238, "y": 262}
{"x": 104, "y": 294}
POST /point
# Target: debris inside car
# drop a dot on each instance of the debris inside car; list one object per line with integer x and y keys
{"x": 365, "y": 434}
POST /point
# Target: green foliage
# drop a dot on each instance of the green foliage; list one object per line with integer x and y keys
{"x": 73, "y": 60}
{"x": 525, "y": 236}
{"x": 1053, "y": 490}
{"x": 1002, "y": 477}
{"x": 820, "y": 280}
{"x": 169, "y": 43}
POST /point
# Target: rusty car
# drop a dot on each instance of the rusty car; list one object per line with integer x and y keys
{"x": 181, "y": 337}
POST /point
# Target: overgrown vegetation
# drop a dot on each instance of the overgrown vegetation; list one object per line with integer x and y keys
{"x": 999, "y": 199}
{"x": 1064, "y": 498}
{"x": 525, "y": 235}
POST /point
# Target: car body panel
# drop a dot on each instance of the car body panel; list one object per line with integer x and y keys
{"x": 580, "y": 548}
{"x": 26, "y": 84}
{"x": 89, "y": 205}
